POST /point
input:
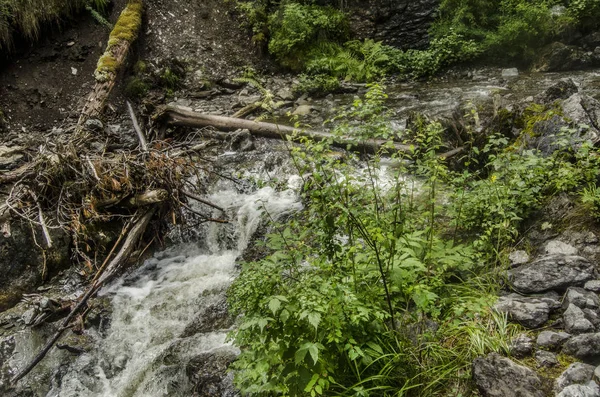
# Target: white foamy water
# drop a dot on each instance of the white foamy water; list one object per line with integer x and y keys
{"x": 158, "y": 312}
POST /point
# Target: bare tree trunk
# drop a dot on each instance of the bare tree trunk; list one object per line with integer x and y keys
{"x": 175, "y": 115}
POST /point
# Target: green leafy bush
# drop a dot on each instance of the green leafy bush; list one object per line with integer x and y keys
{"x": 297, "y": 28}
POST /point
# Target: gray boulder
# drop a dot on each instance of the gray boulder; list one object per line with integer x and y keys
{"x": 589, "y": 390}
{"x": 585, "y": 347}
{"x": 497, "y": 376}
{"x": 518, "y": 257}
{"x": 581, "y": 298}
{"x": 557, "y": 247}
{"x": 551, "y": 272}
{"x": 531, "y": 312}
{"x": 551, "y": 339}
{"x": 563, "y": 89}
{"x": 575, "y": 321}
{"x": 575, "y": 374}
{"x": 592, "y": 285}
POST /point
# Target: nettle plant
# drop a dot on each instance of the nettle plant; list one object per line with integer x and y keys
{"x": 344, "y": 303}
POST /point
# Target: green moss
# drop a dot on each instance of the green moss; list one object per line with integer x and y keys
{"x": 140, "y": 67}
{"x": 128, "y": 24}
{"x": 136, "y": 88}
{"x": 126, "y": 30}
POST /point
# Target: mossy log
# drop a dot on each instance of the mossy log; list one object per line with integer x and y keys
{"x": 124, "y": 33}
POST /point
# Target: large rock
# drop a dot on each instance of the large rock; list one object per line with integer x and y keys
{"x": 585, "y": 347}
{"x": 497, "y": 376}
{"x": 551, "y": 272}
{"x": 589, "y": 390}
{"x": 531, "y": 312}
{"x": 559, "y": 57}
{"x": 563, "y": 89}
{"x": 575, "y": 321}
{"x": 575, "y": 374}
{"x": 400, "y": 23}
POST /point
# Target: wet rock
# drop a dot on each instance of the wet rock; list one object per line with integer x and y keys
{"x": 559, "y": 57}
{"x": 21, "y": 261}
{"x": 589, "y": 390}
{"x": 551, "y": 339}
{"x": 563, "y": 89}
{"x": 545, "y": 358}
{"x": 511, "y": 72}
{"x": 531, "y": 312}
{"x": 581, "y": 298}
{"x": 551, "y": 272}
{"x": 517, "y": 258}
{"x": 557, "y": 247}
{"x": 575, "y": 321}
{"x": 591, "y": 41}
{"x": 585, "y": 347}
{"x": 576, "y": 373}
{"x": 592, "y": 285}
{"x": 521, "y": 346}
{"x": 208, "y": 373}
{"x": 497, "y": 376}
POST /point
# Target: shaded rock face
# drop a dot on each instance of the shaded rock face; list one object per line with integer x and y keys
{"x": 21, "y": 261}
{"x": 497, "y": 376}
{"x": 399, "y": 23}
{"x": 585, "y": 347}
{"x": 209, "y": 374}
{"x": 576, "y": 374}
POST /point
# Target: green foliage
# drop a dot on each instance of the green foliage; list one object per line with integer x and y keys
{"x": 170, "y": 79}
{"x": 318, "y": 84}
{"x": 297, "y": 28}
{"x": 136, "y": 88}
{"x": 27, "y": 16}
{"x": 590, "y": 196}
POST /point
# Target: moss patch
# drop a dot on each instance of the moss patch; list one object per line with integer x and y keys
{"x": 126, "y": 30}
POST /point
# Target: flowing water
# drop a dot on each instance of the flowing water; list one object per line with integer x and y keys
{"x": 170, "y": 314}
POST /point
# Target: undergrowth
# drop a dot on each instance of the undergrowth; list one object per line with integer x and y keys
{"x": 26, "y": 17}
{"x": 383, "y": 284}
{"x": 313, "y": 37}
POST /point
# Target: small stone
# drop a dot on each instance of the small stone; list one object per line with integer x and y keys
{"x": 545, "y": 358}
{"x": 29, "y": 316}
{"x": 591, "y": 238}
{"x": 517, "y": 258}
{"x": 286, "y": 94}
{"x": 302, "y": 110}
{"x": 592, "y": 285}
{"x": 551, "y": 339}
{"x": 510, "y": 72}
{"x": 556, "y": 247}
{"x": 74, "y": 71}
{"x": 575, "y": 321}
{"x": 575, "y": 374}
{"x": 70, "y": 44}
{"x": 521, "y": 346}
{"x": 597, "y": 374}
{"x": 94, "y": 125}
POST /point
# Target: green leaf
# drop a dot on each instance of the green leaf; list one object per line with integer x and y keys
{"x": 299, "y": 356}
{"x": 314, "y": 352}
{"x": 314, "y": 319}
{"x": 311, "y": 383}
{"x": 274, "y": 305}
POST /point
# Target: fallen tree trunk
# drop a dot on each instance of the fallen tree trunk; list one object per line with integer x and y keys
{"x": 126, "y": 249}
{"x": 124, "y": 33}
{"x": 178, "y": 116}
